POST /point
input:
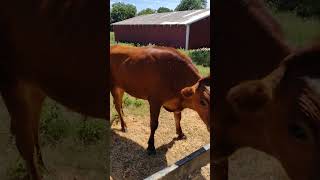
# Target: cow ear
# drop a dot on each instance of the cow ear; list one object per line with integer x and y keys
{"x": 253, "y": 95}
{"x": 205, "y": 81}
{"x": 303, "y": 63}
{"x": 188, "y": 92}
{"x": 249, "y": 96}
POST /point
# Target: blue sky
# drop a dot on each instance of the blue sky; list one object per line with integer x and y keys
{"x": 153, "y": 4}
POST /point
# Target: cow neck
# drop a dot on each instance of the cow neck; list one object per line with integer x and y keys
{"x": 176, "y": 110}
{"x": 173, "y": 105}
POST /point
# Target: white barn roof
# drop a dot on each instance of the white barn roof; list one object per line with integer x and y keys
{"x": 176, "y": 17}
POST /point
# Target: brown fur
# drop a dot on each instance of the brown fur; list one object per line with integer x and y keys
{"x": 289, "y": 116}
{"x": 163, "y": 76}
{"x": 46, "y": 51}
{"x": 248, "y": 44}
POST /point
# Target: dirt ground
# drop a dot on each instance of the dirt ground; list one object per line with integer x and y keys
{"x": 67, "y": 160}
{"x": 129, "y": 159}
{"x": 248, "y": 164}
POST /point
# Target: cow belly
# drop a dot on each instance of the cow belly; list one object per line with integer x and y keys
{"x": 140, "y": 93}
{"x": 138, "y": 85}
{"x": 92, "y": 106}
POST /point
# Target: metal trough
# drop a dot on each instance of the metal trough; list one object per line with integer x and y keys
{"x": 182, "y": 168}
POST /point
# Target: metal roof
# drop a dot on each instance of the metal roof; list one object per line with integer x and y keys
{"x": 176, "y": 17}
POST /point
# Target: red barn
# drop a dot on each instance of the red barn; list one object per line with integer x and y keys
{"x": 179, "y": 29}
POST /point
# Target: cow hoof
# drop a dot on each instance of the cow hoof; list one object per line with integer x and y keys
{"x": 124, "y": 129}
{"x": 181, "y": 137}
{"x": 151, "y": 151}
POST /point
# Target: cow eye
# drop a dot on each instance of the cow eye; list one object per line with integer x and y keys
{"x": 203, "y": 102}
{"x": 300, "y": 131}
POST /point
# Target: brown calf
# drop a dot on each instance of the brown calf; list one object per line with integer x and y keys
{"x": 164, "y": 77}
{"x": 55, "y": 49}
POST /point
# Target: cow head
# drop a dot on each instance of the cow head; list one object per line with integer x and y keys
{"x": 280, "y": 114}
{"x": 197, "y": 97}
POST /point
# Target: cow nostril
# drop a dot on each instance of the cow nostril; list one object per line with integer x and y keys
{"x": 237, "y": 100}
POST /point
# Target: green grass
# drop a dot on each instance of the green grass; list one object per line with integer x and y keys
{"x": 17, "y": 170}
{"x": 204, "y": 71}
{"x": 54, "y": 127}
{"x": 112, "y": 39}
{"x": 135, "y": 106}
{"x": 298, "y": 31}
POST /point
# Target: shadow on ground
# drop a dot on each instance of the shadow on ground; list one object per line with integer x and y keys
{"x": 133, "y": 162}
{"x": 129, "y": 158}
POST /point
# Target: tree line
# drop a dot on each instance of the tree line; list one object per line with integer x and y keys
{"x": 121, "y": 11}
{"x": 303, "y": 8}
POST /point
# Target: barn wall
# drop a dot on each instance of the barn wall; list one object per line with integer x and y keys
{"x": 200, "y": 34}
{"x": 164, "y": 35}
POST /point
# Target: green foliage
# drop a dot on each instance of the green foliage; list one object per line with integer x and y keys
{"x": 91, "y": 132}
{"x": 163, "y": 9}
{"x": 17, "y": 171}
{"x": 204, "y": 71}
{"x": 121, "y": 11}
{"x": 52, "y": 126}
{"x": 298, "y": 30}
{"x": 146, "y": 11}
{"x": 303, "y": 8}
{"x": 137, "y": 103}
{"x": 200, "y": 56}
{"x": 130, "y": 101}
{"x": 191, "y": 5}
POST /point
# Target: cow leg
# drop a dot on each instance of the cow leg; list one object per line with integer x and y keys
{"x": 117, "y": 94}
{"x": 177, "y": 118}
{"x": 40, "y": 159}
{"x": 154, "y": 115}
{"x": 24, "y": 104}
{"x": 220, "y": 171}
{"x": 40, "y": 99}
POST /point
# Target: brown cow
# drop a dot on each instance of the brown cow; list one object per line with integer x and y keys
{"x": 248, "y": 44}
{"x": 55, "y": 49}
{"x": 278, "y": 113}
{"x": 163, "y": 76}
{"x": 284, "y": 110}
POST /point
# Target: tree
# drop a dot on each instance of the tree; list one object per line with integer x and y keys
{"x": 163, "y": 9}
{"x": 304, "y": 8}
{"x": 121, "y": 11}
{"x": 191, "y": 5}
{"x": 146, "y": 11}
